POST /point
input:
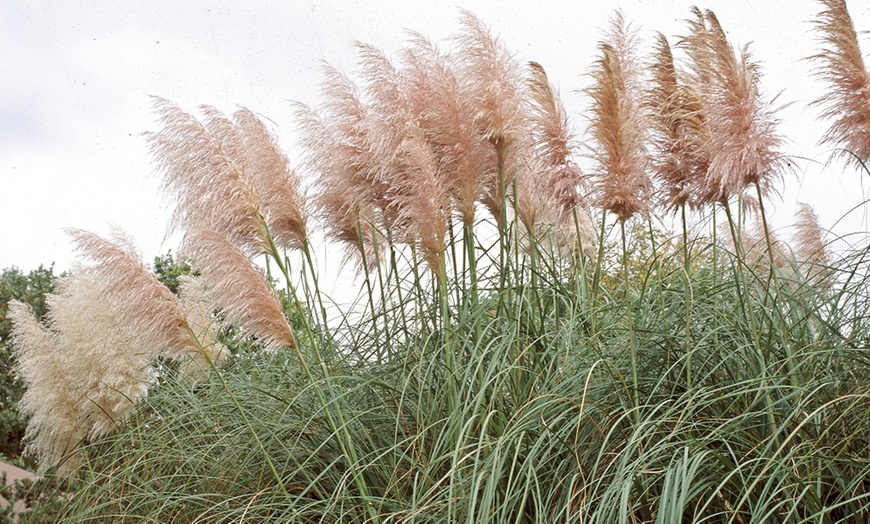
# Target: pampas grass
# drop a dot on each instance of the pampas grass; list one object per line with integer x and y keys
{"x": 551, "y": 194}
{"x": 108, "y": 322}
{"x": 516, "y": 380}
{"x": 238, "y": 289}
{"x": 283, "y": 203}
{"x": 54, "y": 429}
{"x": 449, "y": 116}
{"x": 340, "y": 156}
{"x": 841, "y": 66}
{"x": 144, "y": 305}
{"x": 619, "y": 126}
{"x": 811, "y": 253}
{"x": 107, "y": 360}
{"x": 491, "y": 78}
{"x": 680, "y": 132}
{"x": 207, "y": 184}
{"x": 744, "y": 141}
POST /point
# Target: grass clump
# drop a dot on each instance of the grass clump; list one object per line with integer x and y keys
{"x": 514, "y": 367}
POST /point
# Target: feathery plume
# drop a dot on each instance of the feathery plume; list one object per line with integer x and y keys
{"x": 276, "y": 183}
{"x": 253, "y": 150}
{"x": 144, "y": 305}
{"x": 841, "y": 66}
{"x": 810, "y": 252}
{"x": 492, "y": 79}
{"x": 208, "y": 186}
{"x": 424, "y": 200}
{"x": 388, "y": 102}
{"x": 204, "y": 327}
{"x": 619, "y": 126}
{"x": 550, "y": 193}
{"x": 107, "y": 360}
{"x": 342, "y": 158}
{"x": 238, "y": 289}
{"x": 465, "y": 159}
{"x": 49, "y": 400}
{"x": 391, "y": 118}
{"x": 679, "y": 131}
{"x": 410, "y": 170}
{"x": 743, "y": 137}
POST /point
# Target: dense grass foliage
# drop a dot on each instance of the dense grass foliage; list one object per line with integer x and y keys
{"x": 519, "y": 405}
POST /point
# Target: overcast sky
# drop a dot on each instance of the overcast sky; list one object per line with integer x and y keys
{"x": 75, "y": 78}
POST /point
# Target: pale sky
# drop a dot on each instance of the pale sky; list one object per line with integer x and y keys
{"x": 75, "y": 79}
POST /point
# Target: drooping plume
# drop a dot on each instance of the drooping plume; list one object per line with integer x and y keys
{"x": 229, "y": 175}
{"x": 145, "y": 307}
{"x": 341, "y": 155}
{"x": 550, "y": 195}
{"x": 424, "y": 199}
{"x": 238, "y": 289}
{"x": 278, "y": 187}
{"x": 107, "y": 359}
{"x": 417, "y": 190}
{"x": 841, "y": 65}
{"x": 208, "y": 185}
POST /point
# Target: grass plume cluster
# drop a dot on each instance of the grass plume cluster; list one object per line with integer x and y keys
{"x": 529, "y": 346}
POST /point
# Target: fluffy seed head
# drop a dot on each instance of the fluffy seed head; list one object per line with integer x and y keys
{"x": 744, "y": 142}
{"x": 492, "y": 79}
{"x": 841, "y": 66}
{"x": 680, "y": 134}
{"x": 465, "y": 158}
{"x": 49, "y": 400}
{"x": 341, "y": 156}
{"x": 144, "y": 305}
{"x": 238, "y": 289}
{"x": 276, "y": 183}
{"x": 810, "y": 252}
{"x": 618, "y": 126}
{"x": 549, "y": 192}
{"x": 107, "y": 359}
{"x": 201, "y": 175}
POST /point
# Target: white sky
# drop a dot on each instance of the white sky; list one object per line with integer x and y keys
{"x": 75, "y": 75}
